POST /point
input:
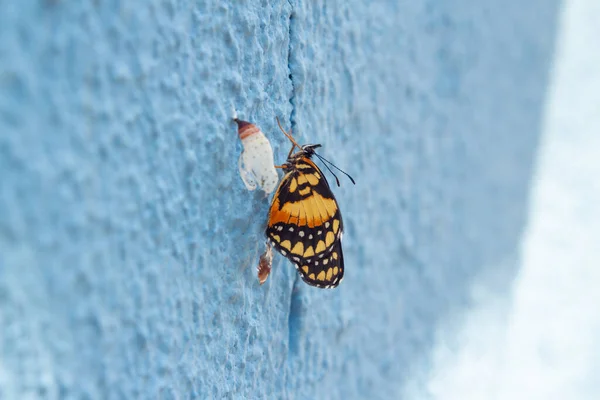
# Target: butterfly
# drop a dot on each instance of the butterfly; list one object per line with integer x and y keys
{"x": 304, "y": 222}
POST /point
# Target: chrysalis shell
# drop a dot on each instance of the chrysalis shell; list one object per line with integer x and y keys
{"x": 256, "y": 164}
{"x": 264, "y": 264}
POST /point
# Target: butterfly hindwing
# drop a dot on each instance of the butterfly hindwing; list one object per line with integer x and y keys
{"x": 305, "y": 225}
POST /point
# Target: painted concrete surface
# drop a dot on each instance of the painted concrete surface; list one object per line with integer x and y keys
{"x": 539, "y": 339}
{"x": 128, "y": 242}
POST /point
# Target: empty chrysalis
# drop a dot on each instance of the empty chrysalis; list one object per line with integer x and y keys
{"x": 256, "y": 164}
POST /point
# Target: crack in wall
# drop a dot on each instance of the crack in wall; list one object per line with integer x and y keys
{"x": 295, "y": 315}
{"x": 295, "y": 320}
{"x": 289, "y": 62}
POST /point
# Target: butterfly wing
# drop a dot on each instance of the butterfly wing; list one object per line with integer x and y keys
{"x": 305, "y": 225}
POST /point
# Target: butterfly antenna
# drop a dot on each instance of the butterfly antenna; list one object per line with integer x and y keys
{"x": 288, "y": 135}
{"x": 329, "y": 169}
{"x": 334, "y": 166}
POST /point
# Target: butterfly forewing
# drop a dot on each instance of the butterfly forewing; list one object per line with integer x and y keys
{"x": 305, "y": 225}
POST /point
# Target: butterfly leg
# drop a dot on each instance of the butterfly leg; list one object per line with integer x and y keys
{"x": 289, "y": 136}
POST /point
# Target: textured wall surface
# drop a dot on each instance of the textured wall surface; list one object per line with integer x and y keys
{"x": 128, "y": 243}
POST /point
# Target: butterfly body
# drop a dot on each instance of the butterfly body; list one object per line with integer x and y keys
{"x": 305, "y": 224}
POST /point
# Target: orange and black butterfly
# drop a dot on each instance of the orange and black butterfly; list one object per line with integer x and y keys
{"x": 305, "y": 223}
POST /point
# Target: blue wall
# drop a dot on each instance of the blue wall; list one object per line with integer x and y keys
{"x": 128, "y": 243}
